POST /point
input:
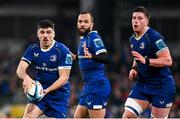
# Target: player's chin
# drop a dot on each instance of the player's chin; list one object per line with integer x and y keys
{"x": 136, "y": 29}
{"x": 46, "y": 44}
{"x": 132, "y": 79}
{"x": 82, "y": 31}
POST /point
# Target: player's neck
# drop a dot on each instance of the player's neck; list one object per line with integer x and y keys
{"x": 138, "y": 35}
{"x": 47, "y": 48}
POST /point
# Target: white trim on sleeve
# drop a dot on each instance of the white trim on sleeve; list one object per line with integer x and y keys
{"x": 64, "y": 67}
{"x": 23, "y": 58}
{"x": 161, "y": 50}
{"x": 101, "y": 51}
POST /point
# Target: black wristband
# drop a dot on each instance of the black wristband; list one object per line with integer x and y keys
{"x": 77, "y": 58}
{"x": 147, "y": 61}
{"x": 101, "y": 58}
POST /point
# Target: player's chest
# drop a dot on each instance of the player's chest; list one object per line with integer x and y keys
{"x": 85, "y": 42}
{"x": 45, "y": 59}
{"x": 142, "y": 46}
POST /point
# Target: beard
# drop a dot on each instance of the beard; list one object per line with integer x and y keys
{"x": 84, "y": 33}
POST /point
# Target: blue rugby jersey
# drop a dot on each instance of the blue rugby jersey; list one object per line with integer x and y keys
{"x": 47, "y": 63}
{"x": 149, "y": 45}
{"x": 91, "y": 70}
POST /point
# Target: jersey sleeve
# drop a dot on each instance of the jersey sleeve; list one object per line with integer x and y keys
{"x": 98, "y": 45}
{"x": 65, "y": 58}
{"x": 28, "y": 55}
{"x": 158, "y": 44}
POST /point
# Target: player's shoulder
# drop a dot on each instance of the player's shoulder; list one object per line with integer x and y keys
{"x": 131, "y": 37}
{"x": 95, "y": 37}
{"x": 33, "y": 46}
{"x": 94, "y": 34}
{"x": 60, "y": 47}
{"x": 153, "y": 34}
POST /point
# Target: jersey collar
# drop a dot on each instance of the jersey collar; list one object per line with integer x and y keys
{"x": 81, "y": 37}
{"x": 138, "y": 38}
{"x": 45, "y": 50}
{"x": 93, "y": 31}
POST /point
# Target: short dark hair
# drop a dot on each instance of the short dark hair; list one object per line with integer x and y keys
{"x": 143, "y": 10}
{"x": 87, "y": 12}
{"x": 45, "y": 23}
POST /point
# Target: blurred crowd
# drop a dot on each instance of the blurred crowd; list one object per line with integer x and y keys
{"x": 11, "y": 92}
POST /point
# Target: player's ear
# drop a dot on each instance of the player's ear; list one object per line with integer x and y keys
{"x": 54, "y": 33}
{"x": 92, "y": 25}
{"x": 147, "y": 22}
{"x": 38, "y": 32}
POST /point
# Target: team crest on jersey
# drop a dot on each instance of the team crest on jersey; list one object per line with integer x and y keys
{"x": 98, "y": 42}
{"x": 53, "y": 58}
{"x": 68, "y": 59}
{"x": 142, "y": 45}
{"x": 36, "y": 54}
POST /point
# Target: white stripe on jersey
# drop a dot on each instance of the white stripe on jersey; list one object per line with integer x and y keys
{"x": 23, "y": 58}
{"x": 101, "y": 51}
{"x": 64, "y": 67}
{"x": 161, "y": 50}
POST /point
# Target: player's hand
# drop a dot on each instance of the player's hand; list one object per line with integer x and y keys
{"x": 138, "y": 57}
{"x": 132, "y": 74}
{"x": 86, "y": 52}
{"x": 27, "y": 83}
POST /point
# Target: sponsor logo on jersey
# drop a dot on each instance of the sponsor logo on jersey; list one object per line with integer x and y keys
{"x": 161, "y": 102}
{"x": 104, "y": 103}
{"x": 46, "y": 68}
{"x": 36, "y": 54}
{"x": 81, "y": 57}
{"x": 44, "y": 64}
{"x": 89, "y": 103}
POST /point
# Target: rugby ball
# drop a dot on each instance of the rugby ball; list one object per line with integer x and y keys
{"x": 35, "y": 93}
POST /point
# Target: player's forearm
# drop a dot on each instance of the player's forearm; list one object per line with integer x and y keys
{"x": 134, "y": 64}
{"x": 21, "y": 72}
{"x": 58, "y": 83}
{"x": 161, "y": 62}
